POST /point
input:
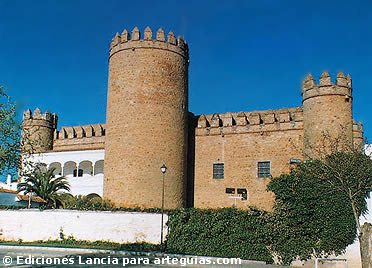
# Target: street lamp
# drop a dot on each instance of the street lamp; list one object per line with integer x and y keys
{"x": 163, "y": 170}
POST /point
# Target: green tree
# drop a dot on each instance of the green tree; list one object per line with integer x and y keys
{"x": 317, "y": 205}
{"x": 10, "y": 137}
{"x": 44, "y": 184}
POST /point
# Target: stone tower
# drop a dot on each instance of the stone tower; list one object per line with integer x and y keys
{"x": 146, "y": 125}
{"x": 38, "y": 130}
{"x": 327, "y": 114}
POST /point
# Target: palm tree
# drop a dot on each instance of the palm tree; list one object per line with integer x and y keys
{"x": 44, "y": 184}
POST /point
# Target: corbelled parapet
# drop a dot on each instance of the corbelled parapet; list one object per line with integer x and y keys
{"x": 77, "y": 138}
{"x": 38, "y": 129}
{"x": 133, "y": 41}
{"x": 87, "y": 131}
{"x": 245, "y": 122}
{"x": 342, "y": 86}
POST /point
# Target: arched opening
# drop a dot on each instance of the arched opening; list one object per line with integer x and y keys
{"x": 98, "y": 167}
{"x": 86, "y": 167}
{"x": 41, "y": 166}
{"x": 57, "y": 168}
{"x": 94, "y": 196}
{"x": 69, "y": 168}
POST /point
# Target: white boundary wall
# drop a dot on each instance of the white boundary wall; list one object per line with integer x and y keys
{"x": 121, "y": 227}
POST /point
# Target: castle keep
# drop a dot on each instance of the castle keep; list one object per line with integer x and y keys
{"x": 213, "y": 160}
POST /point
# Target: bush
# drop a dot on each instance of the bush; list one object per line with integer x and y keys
{"x": 224, "y": 232}
{"x": 11, "y": 207}
{"x": 85, "y": 203}
{"x": 91, "y": 202}
{"x": 310, "y": 218}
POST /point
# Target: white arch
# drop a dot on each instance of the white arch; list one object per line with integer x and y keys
{"x": 94, "y": 196}
{"x": 98, "y": 167}
{"x": 68, "y": 168}
{"x": 57, "y": 166}
{"x": 87, "y": 167}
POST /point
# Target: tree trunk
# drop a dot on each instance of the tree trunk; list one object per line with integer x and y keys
{"x": 365, "y": 240}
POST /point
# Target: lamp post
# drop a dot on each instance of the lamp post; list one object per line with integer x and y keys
{"x": 163, "y": 170}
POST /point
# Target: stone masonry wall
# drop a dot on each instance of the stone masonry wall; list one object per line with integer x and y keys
{"x": 77, "y": 138}
{"x": 275, "y": 136}
{"x": 146, "y": 120}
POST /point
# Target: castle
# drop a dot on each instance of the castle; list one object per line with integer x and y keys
{"x": 212, "y": 160}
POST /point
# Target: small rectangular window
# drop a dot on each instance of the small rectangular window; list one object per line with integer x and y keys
{"x": 218, "y": 171}
{"x": 230, "y": 190}
{"x": 263, "y": 169}
{"x": 243, "y": 192}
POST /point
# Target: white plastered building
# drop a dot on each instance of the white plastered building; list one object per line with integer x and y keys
{"x": 83, "y": 169}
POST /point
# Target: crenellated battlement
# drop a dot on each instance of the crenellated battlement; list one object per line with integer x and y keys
{"x": 37, "y": 118}
{"x": 357, "y": 127}
{"x": 244, "y": 122}
{"x": 77, "y": 138}
{"x": 38, "y": 129}
{"x": 87, "y": 131}
{"x": 342, "y": 86}
{"x": 358, "y": 135}
{"x": 133, "y": 41}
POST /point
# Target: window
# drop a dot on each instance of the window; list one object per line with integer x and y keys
{"x": 243, "y": 192}
{"x": 230, "y": 190}
{"x": 263, "y": 169}
{"x": 79, "y": 173}
{"x": 218, "y": 171}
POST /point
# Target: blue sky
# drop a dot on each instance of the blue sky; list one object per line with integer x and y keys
{"x": 244, "y": 55}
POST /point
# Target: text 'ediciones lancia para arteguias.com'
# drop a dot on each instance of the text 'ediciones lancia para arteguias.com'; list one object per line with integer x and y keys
{"x": 120, "y": 261}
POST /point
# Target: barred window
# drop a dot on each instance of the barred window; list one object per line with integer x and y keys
{"x": 218, "y": 171}
{"x": 263, "y": 169}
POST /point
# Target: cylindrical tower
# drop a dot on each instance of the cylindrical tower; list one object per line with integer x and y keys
{"x": 38, "y": 130}
{"x": 328, "y": 123}
{"x": 146, "y": 124}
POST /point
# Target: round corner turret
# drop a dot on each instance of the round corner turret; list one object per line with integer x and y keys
{"x": 327, "y": 112}
{"x": 38, "y": 130}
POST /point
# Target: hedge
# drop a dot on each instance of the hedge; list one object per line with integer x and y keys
{"x": 224, "y": 232}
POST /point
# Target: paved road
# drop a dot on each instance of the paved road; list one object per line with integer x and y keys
{"x": 62, "y": 257}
